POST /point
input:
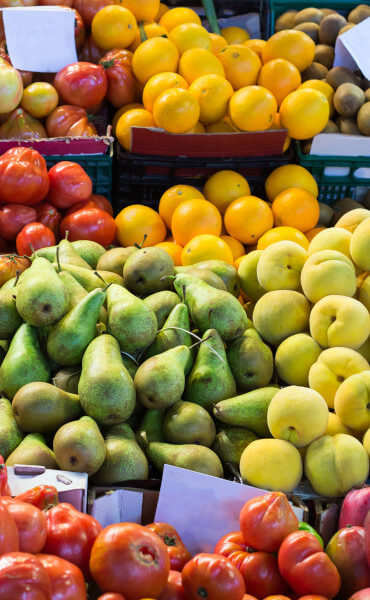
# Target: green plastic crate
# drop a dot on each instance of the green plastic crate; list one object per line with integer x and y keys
{"x": 98, "y": 166}
{"x": 278, "y": 7}
{"x": 337, "y": 176}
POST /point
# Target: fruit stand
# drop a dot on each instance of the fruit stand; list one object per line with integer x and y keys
{"x": 184, "y": 300}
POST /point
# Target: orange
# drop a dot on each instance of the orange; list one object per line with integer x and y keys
{"x": 311, "y": 234}
{"x": 247, "y": 218}
{"x": 256, "y": 45}
{"x": 176, "y": 110}
{"x": 197, "y": 62}
{"x": 279, "y": 234}
{"x": 174, "y": 250}
{"x": 206, "y": 247}
{"x": 222, "y": 126}
{"x": 321, "y": 86}
{"x": 39, "y": 99}
{"x": 173, "y": 197}
{"x": 144, "y": 10}
{"x": 195, "y": 217}
{"x": 213, "y": 93}
{"x": 296, "y": 208}
{"x": 235, "y": 35}
{"x": 253, "y": 108}
{"x": 163, "y": 8}
{"x": 304, "y": 113}
{"x": 190, "y": 35}
{"x": 224, "y": 187}
{"x": 217, "y": 43}
{"x": 113, "y": 27}
{"x": 157, "y": 55}
{"x": 235, "y": 246}
{"x": 121, "y": 111}
{"x": 136, "y": 221}
{"x": 280, "y": 77}
{"x": 291, "y": 44}
{"x": 238, "y": 261}
{"x": 241, "y": 65}
{"x": 137, "y": 117}
{"x": 276, "y": 125}
{"x": 288, "y": 176}
{"x": 179, "y": 16}
{"x": 158, "y": 84}
{"x": 198, "y": 128}
{"x": 151, "y": 30}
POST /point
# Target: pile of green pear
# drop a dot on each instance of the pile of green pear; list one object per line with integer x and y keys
{"x": 115, "y": 363}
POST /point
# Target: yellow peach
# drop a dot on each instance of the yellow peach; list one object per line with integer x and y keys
{"x": 280, "y": 266}
{"x": 352, "y": 401}
{"x": 333, "y": 238}
{"x": 328, "y": 272}
{"x": 294, "y": 358}
{"x": 339, "y": 321}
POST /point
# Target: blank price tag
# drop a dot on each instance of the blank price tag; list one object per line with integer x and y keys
{"x": 40, "y": 38}
{"x": 352, "y": 48}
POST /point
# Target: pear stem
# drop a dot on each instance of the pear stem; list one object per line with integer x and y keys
{"x": 17, "y": 275}
{"x": 58, "y": 260}
{"x": 101, "y": 278}
{"x": 141, "y": 243}
{"x": 197, "y": 338}
{"x": 67, "y": 234}
{"x": 130, "y": 357}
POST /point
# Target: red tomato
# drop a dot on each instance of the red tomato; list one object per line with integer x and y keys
{"x": 83, "y": 128}
{"x": 71, "y": 535}
{"x": 90, "y": 52}
{"x": 69, "y": 184}
{"x": 62, "y": 118}
{"x": 89, "y": 224}
{"x": 260, "y": 572}
{"x": 33, "y": 237}
{"x": 82, "y": 84}
{"x": 89, "y": 8}
{"x": 24, "y": 177}
{"x": 347, "y": 551}
{"x": 49, "y": 216}
{"x": 178, "y": 553}
{"x": 41, "y": 496}
{"x": 361, "y": 595}
{"x": 131, "y": 560}
{"x": 312, "y": 597}
{"x": 80, "y": 33}
{"x": 120, "y": 54}
{"x": 10, "y": 265}
{"x": 22, "y": 577}
{"x": 229, "y": 543}
{"x": 67, "y": 581}
{"x": 21, "y": 126}
{"x": 121, "y": 82}
{"x": 13, "y": 217}
{"x": 9, "y": 536}
{"x": 266, "y": 520}
{"x": 173, "y": 589}
{"x": 367, "y": 538}
{"x": 212, "y": 577}
{"x": 30, "y": 522}
{"x": 110, "y": 596}
{"x": 95, "y": 201}
{"x": 305, "y": 567}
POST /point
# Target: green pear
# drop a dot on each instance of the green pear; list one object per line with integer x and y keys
{"x": 211, "y": 379}
{"x": 212, "y": 309}
{"x": 188, "y": 423}
{"x": 79, "y": 446}
{"x": 110, "y": 277}
{"x": 90, "y": 251}
{"x": 90, "y": 280}
{"x": 137, "y": 414}
{"x": 203, "y": 274}
{"x": 130, "y": 321}
{"x": 76, "y": 292}
{"x": 160, "y": 380}
{"x": 162, "y": 303}
{"x": 130, "y": 364}
{"x": 23, "y": 363}
{"x": 49, "y": 252}
{"x": 9, "y": 317}
{"x": 67, "y": 255}
{"x": 247, "y": 274}
{"x": 106, "y": 390}
{"x": 67, "y": 379}
{"x": 42, "y": 408}
{"x": 10, "y": 433}
{"x": 124, "y": 459}
{"x": 150, "y": 428}
{"x": 247, "y": 410}
{"x": 230, "y": 444}
{"x": 11, "y": 284}
{"x": 33, "y": 451}
{"x": 186, "y": 456}
{"x": 69, "y": 338}
{"x": 251, "y": 361}
{"x": 42, "y": 298}
{"x": 115, "y": 259}
{"x": 225, "y": 271}
{"x": 4, "y": 346}
{"x": 148, "y": 270}
{"x": 175, "y": 332}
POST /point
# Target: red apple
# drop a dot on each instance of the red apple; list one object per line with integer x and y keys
{"x": 347, "y": 551}
{"x": 361, "y": 595}
{"x": 355, "y": 507}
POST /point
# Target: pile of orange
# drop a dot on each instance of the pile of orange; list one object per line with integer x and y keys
{"x": 225, "y": 221}
{"x": 193, "y": 81}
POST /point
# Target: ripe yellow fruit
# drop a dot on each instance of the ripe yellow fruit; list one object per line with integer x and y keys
{"x": 235, "y": 246}
{"x": 144, "y": 10}
{"x": 222, "y": 126}
{"x": 256, "y": 45}
{"x": 137, "y": 117}
{"x": 281, "y": 77}
{"x": 278, "y": 234}
{"x": 158, "y": 84}
{"x": 289, "y": 176}
{"x": 217, "y": 43}
{"x": 224, "y": 187}
{"x": 151, "y": 30}
{"x": 176, "y": 110}
{"x": 197, "y": 62}
{"x": 173, "y": 197}
{"x": 304, "y": 113}
{"x": 247, "y": 218}
{"x": 291, "y": 44}
{"x": 178, "y": 16}
{"x": 206, "y": 247}
{"x": 121, "y": 111}
{"x": 213, "y": 94}
{"x": 193, "y": 218}
{"x": 242, "y": 65}
{"x": 113, "y": 27}
{"x": 174, "y": 250}
{"x": 157, "y": 55}
{"x": 320, "y": 86}
{"x": 235, "y": 35}
{"x": 252, "y": 108}
{"x": 138, "y": 224}
{"x": 190, "y": 35}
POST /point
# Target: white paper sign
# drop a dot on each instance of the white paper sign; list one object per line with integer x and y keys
{"x": 337, "y": 144}
{"x": 40, "y": 38}
{"x": 120, "y": 506}
{"x": 352, "y": 48}
{"x": 202, "y": 508}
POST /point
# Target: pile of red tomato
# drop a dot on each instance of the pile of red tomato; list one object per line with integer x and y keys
{"x": 38, "y": 207}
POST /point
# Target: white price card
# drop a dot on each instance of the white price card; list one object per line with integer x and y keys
{"x": 352, "y": 48}
{"x": 40, "y": 38}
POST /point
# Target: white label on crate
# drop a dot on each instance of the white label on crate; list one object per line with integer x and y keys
{"x": 40, "y": 38}
{"x": 120, "y": 506}
{"x": 337, "y": 144}
{"x": 352, "y": 48}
